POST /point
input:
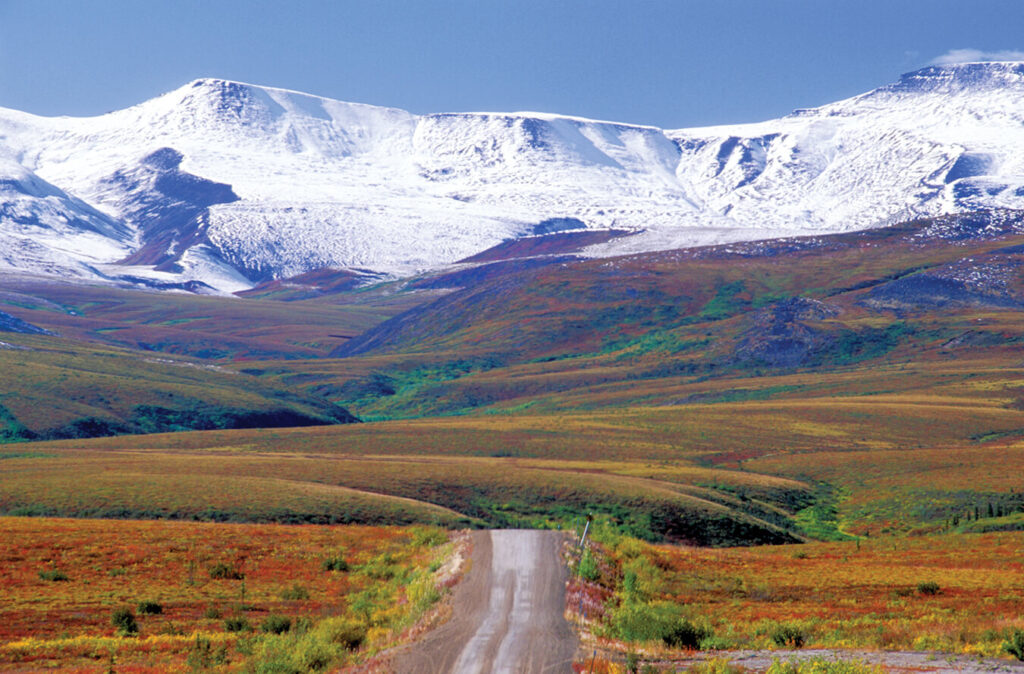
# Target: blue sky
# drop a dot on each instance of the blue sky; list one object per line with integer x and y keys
{"x": 671, "y": 64}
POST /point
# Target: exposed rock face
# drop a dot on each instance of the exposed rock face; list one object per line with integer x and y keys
{"x": 991, "y": 281}
{"x": 783, "y": 334}
{"x": 10, "y": 323}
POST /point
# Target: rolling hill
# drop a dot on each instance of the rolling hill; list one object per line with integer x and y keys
{"x": 755, "y": 392}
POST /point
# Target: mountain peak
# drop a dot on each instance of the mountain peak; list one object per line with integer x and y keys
{"x": 219, "y": 89}
{"x": 211, "y": 82}
{"x": 268, "y": 182}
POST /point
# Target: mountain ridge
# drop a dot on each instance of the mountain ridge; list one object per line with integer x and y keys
{"x": 319, "y": 183}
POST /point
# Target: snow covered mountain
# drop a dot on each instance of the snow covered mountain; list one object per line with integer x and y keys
{"x": 230, "y": 184}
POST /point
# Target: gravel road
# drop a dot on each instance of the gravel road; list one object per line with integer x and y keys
{"x": 507, "y": 612}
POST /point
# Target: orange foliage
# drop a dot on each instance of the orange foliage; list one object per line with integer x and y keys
{"x": 113, "y": 564}
{"x": 855, "y": 595}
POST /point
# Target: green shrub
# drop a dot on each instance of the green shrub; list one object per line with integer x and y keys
{"x": 150, "y": 608}
{"x": 213, "y": 613}
{"x": 644, "y": 622}
{"x": 276, "y": 624}
{"x": 685, "y": 634}
{"x": 237, "y": 624}
{"x": 428, "y": 536}
{"x": 295, "y": 593}
{"x": 124, "y": 621}
{"x": 345, "y": 632}
{"x": 788, "y": 635}
{"x": 1015, "y": 644}
{"x": 223, "y": 571}
{"x": 422, "y": 593}
{"x": 337, "y": 563}
{"x": 928, "y": 588}
{"x": 381, "y": 567}
{"x": 202, "y": 655}
{"x": 53, "y": 575}
{"x": 588, "y": 567}
{"x": 312, "y": 655}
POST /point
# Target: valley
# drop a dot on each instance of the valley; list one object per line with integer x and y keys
{"x": 850, "y": 396}
{"x": 274, "y": 364}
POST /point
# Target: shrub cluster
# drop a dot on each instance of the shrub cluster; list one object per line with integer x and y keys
{"x": 1014, "y": 645}
{"x": 345, "y": 632}
{"x": 336, "y": 563}
{"x": 124, "y": 621}
{"x": 150, "y": 608}
{"x": 789, "y": 635}
{"x": 237, "y": 624}
{"x": 588, "y": 568}
{"x": 223, "y": 571}
{"x": 276, "y": 624}
{"x": 53, "y": 575}
{"x": 658, "y": 621}
{"x": 203, "y": 655}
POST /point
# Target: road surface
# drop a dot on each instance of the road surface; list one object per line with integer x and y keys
{"x": 507, "y": 615}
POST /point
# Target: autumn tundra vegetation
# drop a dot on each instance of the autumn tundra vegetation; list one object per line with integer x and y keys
{"x": 785, "y": 445}
{"x": 173, "y": 596}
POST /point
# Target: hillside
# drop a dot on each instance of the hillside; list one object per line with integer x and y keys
{"x": 59, "y": 388}
{"x": 572, "y": 333}
{"x": 762, "y": 392}
{"x": 84, "y": 361}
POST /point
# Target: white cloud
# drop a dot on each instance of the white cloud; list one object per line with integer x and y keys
{"x": 972, "y": 55}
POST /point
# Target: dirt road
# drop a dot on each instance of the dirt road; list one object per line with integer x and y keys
{"x": 507, "y": 612}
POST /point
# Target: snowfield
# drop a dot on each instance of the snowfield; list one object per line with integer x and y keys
{"x": 231, "y": 184}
